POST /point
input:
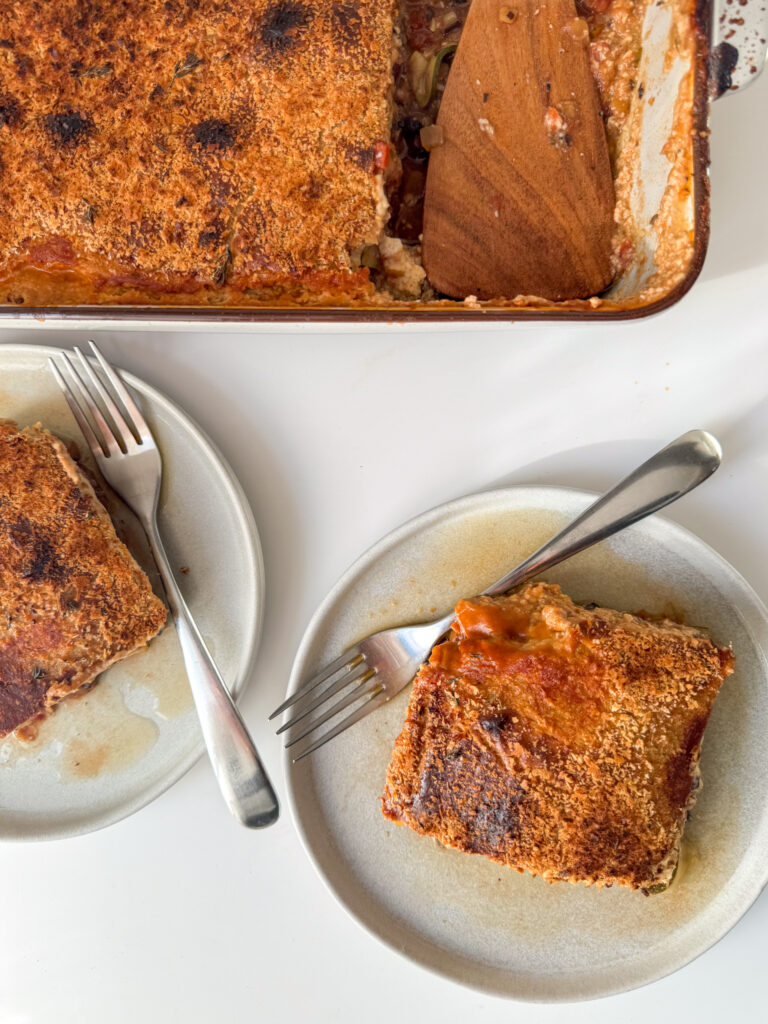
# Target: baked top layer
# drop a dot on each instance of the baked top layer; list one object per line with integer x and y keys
{"x": 172, "y": 145}
{"x": 558, "y": 739}
{"x": 73, "y": 599}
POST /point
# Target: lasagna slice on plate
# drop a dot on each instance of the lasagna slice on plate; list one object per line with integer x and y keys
{"x": 74, "y": 601}
{"x": 557, "y": 739}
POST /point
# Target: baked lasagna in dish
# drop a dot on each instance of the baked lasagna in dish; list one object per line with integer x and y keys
{"x": 74, "y": 600}
{"x": 272, "y": 153}
{"x": 556, "y": 739}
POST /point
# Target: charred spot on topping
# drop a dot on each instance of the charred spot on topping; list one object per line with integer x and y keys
{"x": 346, "y": 22}
{"x": 282, "y": 27}
{"x": 23, "y": 67}
{"x": 129, "y": 45}
{"x": 313, "y": 188}
{"x": 10, "y": 113}
{"x": 209, "y": 237}
{"x": 176, "y": 233}
{"x": 361, "y": 156}
{"x": 6, "y": 44}
{"x": 497, "y": 818}
{"x": 69, "y": 128}
{"x": 214, "y": 134}
{"x": 43, "y": 564}
{"x": 38, "y": 555}
{"x": 457, "y": 786}
{"x": 156, "y": 93}
{"x": 79, "y": 506}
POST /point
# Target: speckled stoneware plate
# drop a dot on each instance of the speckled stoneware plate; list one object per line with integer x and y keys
{"x": 462, "y": 916}
{"x": 102, "y": 756}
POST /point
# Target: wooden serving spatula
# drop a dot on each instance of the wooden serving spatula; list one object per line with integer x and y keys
{"x": 519, "y": 197}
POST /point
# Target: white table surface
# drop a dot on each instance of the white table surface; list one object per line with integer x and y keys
{"x": 179, "y": 914}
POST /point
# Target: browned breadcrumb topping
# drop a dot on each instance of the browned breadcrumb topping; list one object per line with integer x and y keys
{"x": 73, "y": 599}
{"x": 556, "y": 739}
{"x": 173, "y": 146}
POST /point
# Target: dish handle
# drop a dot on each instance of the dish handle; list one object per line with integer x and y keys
{"x": 739, "y": 48}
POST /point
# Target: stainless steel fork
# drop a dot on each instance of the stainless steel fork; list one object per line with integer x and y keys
{"x": 128, "y": 458}
{"x": 378, "y": 667}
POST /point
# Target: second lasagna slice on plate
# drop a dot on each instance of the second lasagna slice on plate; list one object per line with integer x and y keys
{"x": 74, "y": 599}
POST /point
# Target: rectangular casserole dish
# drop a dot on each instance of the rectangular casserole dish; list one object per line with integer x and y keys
{"x": 661, "y": 172}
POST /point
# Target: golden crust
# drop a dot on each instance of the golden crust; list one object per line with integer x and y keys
{"x": 556, "y": 739}
{"x": 173, "y": 146}
{"x": 74, "y": 600}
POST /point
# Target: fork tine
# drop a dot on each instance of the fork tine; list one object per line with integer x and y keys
{"x": 336, "y": 708}
{"x": 109, "y": 444}
{"x": 82, "y": 420}
{"x": 123, "y": 434}
{"x": 362, "y": 668}
{"x": 136, "y": 421}
{"x": 351, "y": 659}
{"x": 371, "y": 703}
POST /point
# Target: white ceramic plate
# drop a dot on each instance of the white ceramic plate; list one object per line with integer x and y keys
{"x": 102, "y": 756}
{"x": 462, "y": 916}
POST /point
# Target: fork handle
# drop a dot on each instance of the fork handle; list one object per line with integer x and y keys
{"x": 669, "y": 474}
{"x": 242, "y": 778}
